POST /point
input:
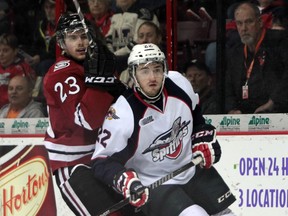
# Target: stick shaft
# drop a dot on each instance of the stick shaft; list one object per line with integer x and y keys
{"x": 171, "y": 175}
{"x": 81, "y": 16}
{"x": 156, "y": 184}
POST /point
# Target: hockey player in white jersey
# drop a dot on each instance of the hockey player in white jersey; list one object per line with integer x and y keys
{"x": 153, "y": 129}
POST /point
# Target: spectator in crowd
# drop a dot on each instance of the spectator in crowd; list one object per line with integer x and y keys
{"x": 26, "y": 13}
{"x": 202, "y": 82}
{"x": 69, "y": 91}
{"x": 11, "y": 64}
{"x": 123, "y": 30}
{"x": 273, "y": 12}
{"x": 148, "y": 32}
{"x": 5, "y": 18}
{"x": 257, "y": 68}
{"x": 125, "y": 23}
{"x": 210, "y": 56}
{"x": 266, "y": 6}
{"x": 100, "y": 13}
{"x": 164, "y": 130}
{"x": 21, "y": 103}
{"x": 280, "y": 19}
{"x": 43, "y": 49}
{"x": 44, "y": 43}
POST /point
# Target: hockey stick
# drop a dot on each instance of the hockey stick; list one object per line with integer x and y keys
{"x": 156, "y": 184}
{"x": 92, "y": 44}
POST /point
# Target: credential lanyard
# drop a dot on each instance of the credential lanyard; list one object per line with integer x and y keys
{"x": 249, "y": 70}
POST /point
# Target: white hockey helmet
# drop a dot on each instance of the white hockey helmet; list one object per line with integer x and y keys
{"x": 145, "y": 54}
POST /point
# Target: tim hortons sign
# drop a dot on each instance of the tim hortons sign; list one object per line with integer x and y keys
{"x": 26, "y": 186}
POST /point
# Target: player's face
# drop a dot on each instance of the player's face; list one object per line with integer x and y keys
{"x": 147, "y": 34}
{"x": 150, "y": 77}
{"x": 76, "y": 44}
{"x": 7, "y": 55}
{"x": 248, "y": 25}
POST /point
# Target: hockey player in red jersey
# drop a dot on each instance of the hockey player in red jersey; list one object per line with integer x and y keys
{"x": 75, "y": 82}
{"x": 164, "y": 130}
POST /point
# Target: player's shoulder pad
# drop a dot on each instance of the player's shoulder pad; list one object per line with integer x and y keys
{"x": 184, "y": 84}
{"x": 120, "y": 109}
{"x": 180, "y": 81}
{"x": 128, "y": 93}
{"x": 145, "y": 14}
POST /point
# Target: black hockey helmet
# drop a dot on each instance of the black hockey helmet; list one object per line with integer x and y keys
{"x": 67, "y": 22}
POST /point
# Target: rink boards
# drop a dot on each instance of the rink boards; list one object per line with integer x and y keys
{"x": 254, "y": 159}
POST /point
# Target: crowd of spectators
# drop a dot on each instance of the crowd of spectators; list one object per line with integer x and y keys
{"x": 256, "y": 61}
{"x": 28, "y": 41}
{"x": 32, "y": 25}
{"x": 257, "y": 66}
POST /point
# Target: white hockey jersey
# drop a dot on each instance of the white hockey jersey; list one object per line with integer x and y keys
{"x": 124, "y": 26}
{"x": 152, "y": 141}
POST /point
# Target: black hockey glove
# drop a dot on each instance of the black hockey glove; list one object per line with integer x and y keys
{"x": 204, "y": 143}
{"x": 99, "y": 70}
{"x": 129, "y": 185}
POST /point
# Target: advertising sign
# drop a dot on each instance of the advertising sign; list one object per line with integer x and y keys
{"x": 26, "y": 186}
{"x": 256, "y": 169}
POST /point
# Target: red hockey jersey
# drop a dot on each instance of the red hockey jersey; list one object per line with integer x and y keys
{"x": 71, "y": 135}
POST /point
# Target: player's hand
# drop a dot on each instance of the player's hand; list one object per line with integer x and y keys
{"x": 99, "y": 69}
{"x": 204, "y": 143}
{"x": 265, "y": 108}
{"x": 129, "y": 185}
{"x": 99, "y": 65}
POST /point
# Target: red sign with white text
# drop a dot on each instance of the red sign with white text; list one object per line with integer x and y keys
{"x": 26, "y": 186}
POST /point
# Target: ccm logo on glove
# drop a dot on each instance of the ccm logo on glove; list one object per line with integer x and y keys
{"x": 92, "y": 79}
{"x": 204, "y": 144}
{"x": 203, "y": 133}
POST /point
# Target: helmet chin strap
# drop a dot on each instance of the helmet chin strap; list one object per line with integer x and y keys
{"x": 148, "y": 99}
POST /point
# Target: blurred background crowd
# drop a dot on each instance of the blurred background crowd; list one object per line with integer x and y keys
{"x": 28, "y": 48}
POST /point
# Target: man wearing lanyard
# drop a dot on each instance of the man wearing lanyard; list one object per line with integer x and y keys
{"x": 257, "y": 68}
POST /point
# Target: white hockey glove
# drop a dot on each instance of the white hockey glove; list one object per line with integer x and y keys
{"x": 204, "y": 143}
{"x": 129, "y": 185}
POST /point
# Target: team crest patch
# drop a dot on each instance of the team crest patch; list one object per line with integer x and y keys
{"x": 111, "y": 114}
{"x": 170, "y": 143}
{"x": 62, "y": 64}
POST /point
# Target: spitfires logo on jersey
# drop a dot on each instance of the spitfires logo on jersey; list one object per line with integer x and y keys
{"x": 62, "y": 64}
{"x": 169, "y": 144}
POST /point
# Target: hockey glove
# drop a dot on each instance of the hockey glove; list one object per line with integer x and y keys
{"x": 129, "y": 185}
{"x": 99, "y": 69}
{"x": 204, "y": 143}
